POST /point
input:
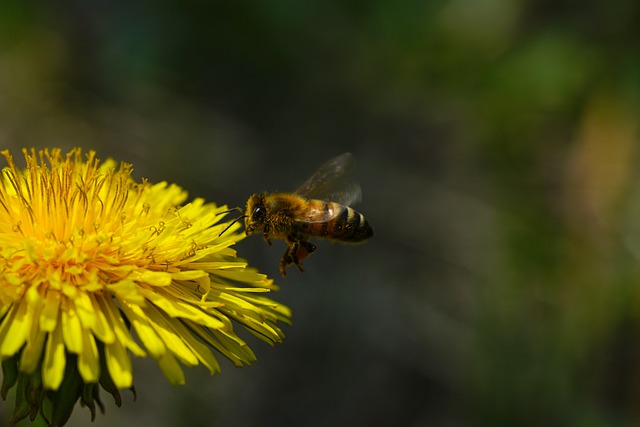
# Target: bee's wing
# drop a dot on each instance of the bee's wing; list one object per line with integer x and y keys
{"x": 329, "y": 183}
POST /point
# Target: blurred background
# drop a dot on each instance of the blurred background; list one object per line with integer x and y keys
{"x": 497, "y": 147}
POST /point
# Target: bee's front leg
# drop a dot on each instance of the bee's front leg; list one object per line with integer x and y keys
{"x": 266, "y": 232}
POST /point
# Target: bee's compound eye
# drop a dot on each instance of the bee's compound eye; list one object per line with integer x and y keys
{"x": 258, "y": 213}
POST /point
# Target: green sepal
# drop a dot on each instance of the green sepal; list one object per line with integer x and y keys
{"x": 89, "y": 392}
{"x": 9, "y": 375}
{"x": 105, "y": 379}
{"x": 64, "y": 399}
{"x": 35, "y": 392}
{"x": 21, "y": 408}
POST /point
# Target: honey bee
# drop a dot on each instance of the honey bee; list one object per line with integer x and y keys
{"x": 319, "y": 208}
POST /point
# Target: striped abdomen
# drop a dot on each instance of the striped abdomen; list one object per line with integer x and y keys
{"x": 334, "y": 221}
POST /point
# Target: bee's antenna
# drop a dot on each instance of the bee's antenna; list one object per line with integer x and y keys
{"x": 236, "y": 209}
{"x": 234, "y": 221}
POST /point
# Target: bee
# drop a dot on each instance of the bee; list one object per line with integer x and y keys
{"x": 319, "y": 208}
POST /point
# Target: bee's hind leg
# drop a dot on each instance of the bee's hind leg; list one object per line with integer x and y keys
{"x": 304, "y": 249}
{"x": 288, "y": 258}
{"x": 296, "y": 251}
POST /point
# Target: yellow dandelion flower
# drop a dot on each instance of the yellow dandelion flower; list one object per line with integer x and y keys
{"x": 96, "y": 267}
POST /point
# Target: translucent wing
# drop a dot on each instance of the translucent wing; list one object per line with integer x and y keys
{"x": 329, "y": 183}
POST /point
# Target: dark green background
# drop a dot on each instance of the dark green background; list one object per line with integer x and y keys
{"x": 496, "y": 144}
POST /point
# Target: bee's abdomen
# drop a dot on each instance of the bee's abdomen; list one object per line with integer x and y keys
{"x": 346, "y": 225}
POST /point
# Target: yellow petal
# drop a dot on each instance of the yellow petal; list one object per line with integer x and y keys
{"x": 173, "y": 341}
{"x": 126, "y": 290}
{"x": 171, "y": 369}
{"x": 248, "y": 276}
{"x": 202, "y": 352}
{"x": 88, "y": 359}
{"x": 101, "y": 327}
{"x": 49, "y": 314}
{"x": 17, "y": 329}
{"x": 32, "y": 352}
{"x": 152, "y": 342}
{"x": 237, "y": 346}
{"x": 54, "y": 361}
{"x": 176, "y": 308}
{"x": 85, "y": 310}
{"x": 206, "y": 336}
{"x": 71, "y": 328}
{"x": 154, "y": 278}
{"x": 116, "y": 323}
{"x": 119, "y": 365}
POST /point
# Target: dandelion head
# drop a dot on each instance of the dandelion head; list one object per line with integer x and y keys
{"x": 96, "y": 267}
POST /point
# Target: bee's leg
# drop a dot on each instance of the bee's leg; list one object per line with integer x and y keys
{"x": 289, "y": 257}
{"x": 295, "y": 252}
{"x": 265, "y": 234}
{"x": 304, "y": 249}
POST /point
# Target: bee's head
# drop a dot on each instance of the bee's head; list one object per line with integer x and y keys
{"x": 256, "y": 214}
